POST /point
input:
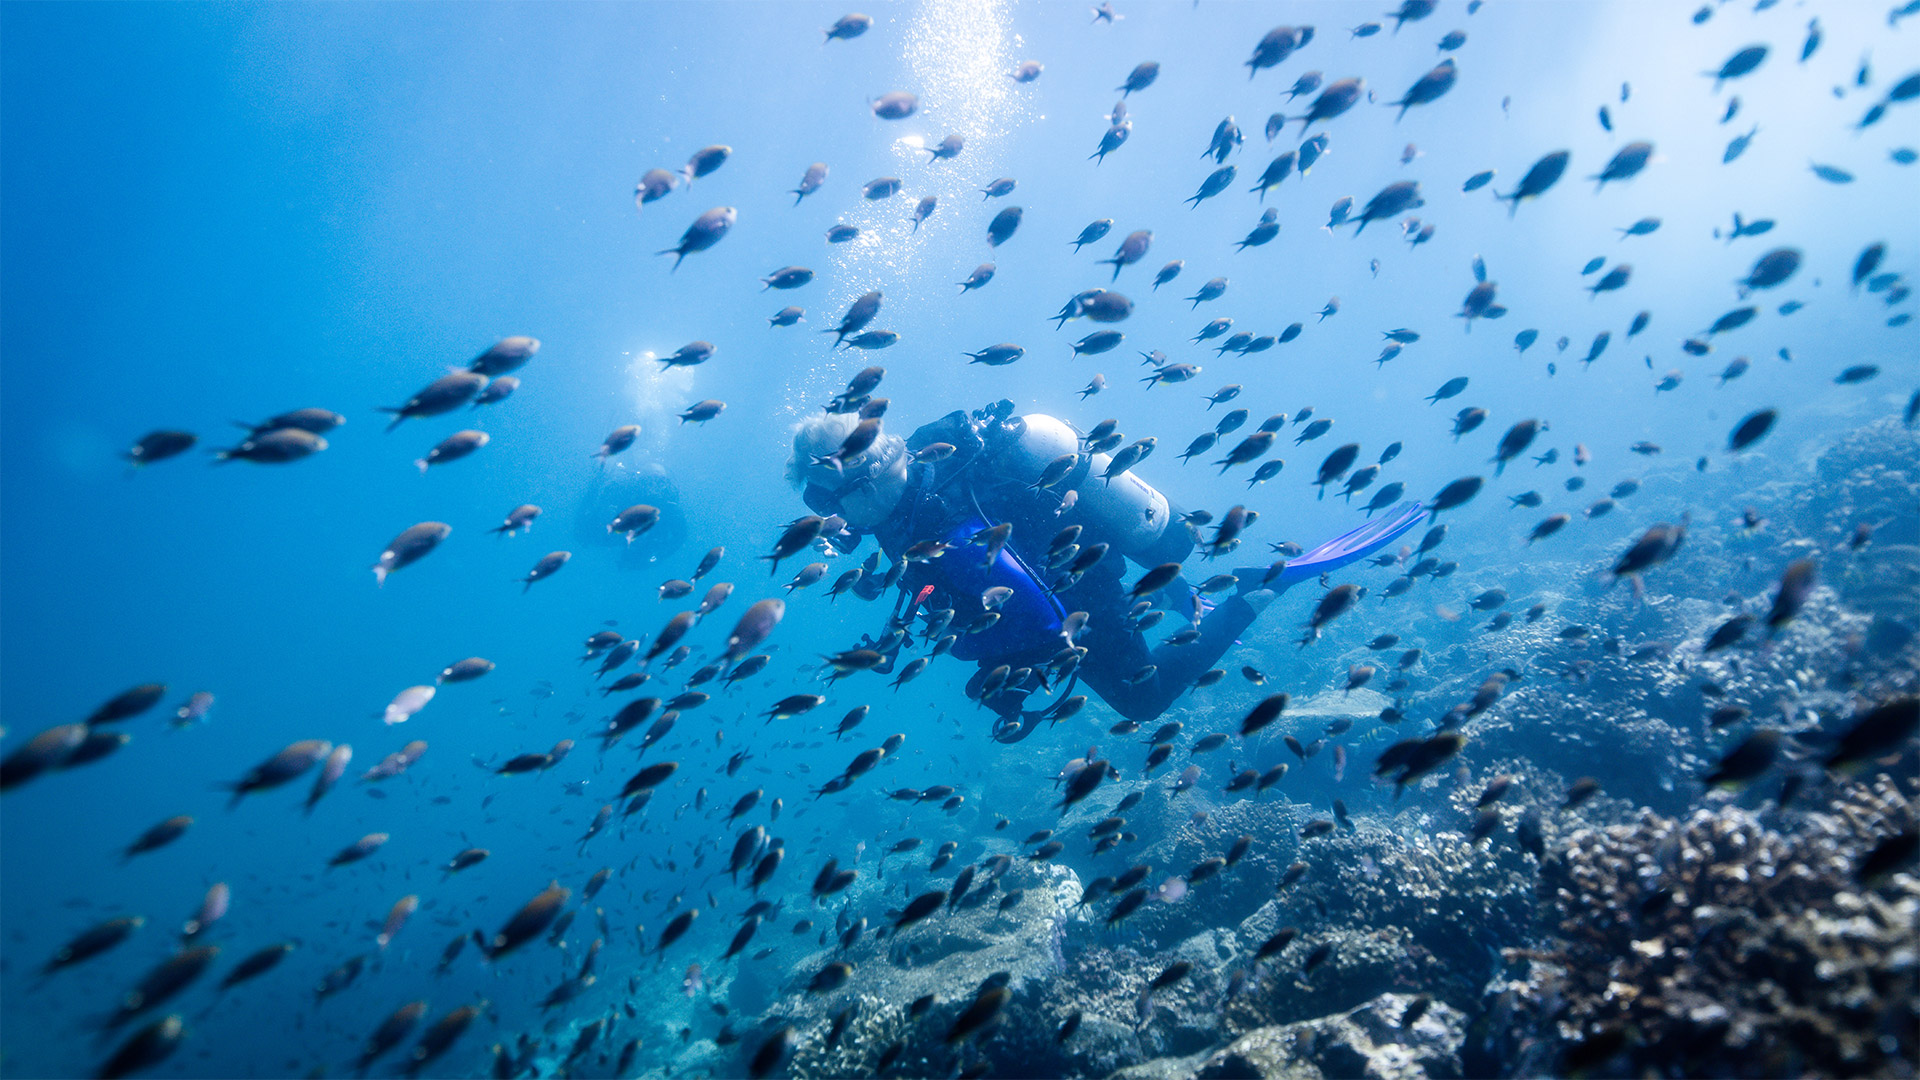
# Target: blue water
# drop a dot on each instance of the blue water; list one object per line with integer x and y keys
{"x": 218, "y": 213}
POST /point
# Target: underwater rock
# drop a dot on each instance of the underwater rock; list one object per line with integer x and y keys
{"x": 1367, "y": 1041}
{"x": 949, "y": 956}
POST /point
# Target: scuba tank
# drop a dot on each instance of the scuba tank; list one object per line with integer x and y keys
{"x": 1126, "y": 512}
{"x": 995, "y": 450}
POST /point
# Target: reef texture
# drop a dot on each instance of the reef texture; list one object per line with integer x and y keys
{"x": 948, "y": 957}
{"x": 1720, "y": 946}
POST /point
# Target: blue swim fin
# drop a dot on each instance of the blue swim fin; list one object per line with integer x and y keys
{"x": 1344, "y": 550}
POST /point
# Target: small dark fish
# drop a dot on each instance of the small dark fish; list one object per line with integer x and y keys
{"x": 1887, "y": 856}
{"x": 452, "y": 448}
{"x": 1467, "y": 420}
{"x": 849, "y": 27}
{"x": 1868, "y": 261}
{"x": 831, "y": 977}
{"x": 1580, "y": 791}
{"x": 1002, "y": 227}
{"x": 1140, "y": 77}
{"x": 1430, "y": 86}
{"x": 1321, "y": 954}
{"x": 1625, "y": 164}
{"x": 1068, "y": 1027}
{"x": 279, "y": 769}
{"x": 1456, "y": 493}
{"x": 92, "y": 942}
{"x": 622, "y": 437}
{"x": 1875, "y": 732}
{"x": 895, "y": 105}
{"x": 145, "y": 1048}
{"x": 1740, "y": 63}
{"x": 980, "y": 276}
{"x": 1173, "y": 973}
{"x": 1265, "y": 231}
{"x": 1092, "y": 232}
{"x": 163, "y": 981}
{"x": 707, "y": 230}
{"x": 1391, "y": 201}
{"x": 441, "y": 396}
{"x": 1543, "y": 175}
{"x": 1093, "y": 344}
{"x": 1727, "y": 715}
{"x": 921, "y": 906}
{"x": 984, "y": 1010}
{"x": 1796, "y": 584}
{"x": 1336, "y": 99}
{"x": 1735, "y": 147}
{"x": 773, "y": 1052}
{"x": 1751, "y": 430}
{"x": 788, "y": 277}
{"x": 1002, "y": 186}
{"x": 1771, "y": 269}
{"x": 810, "y": 181}
{"x": 1215, "y": 183}
{"x": 1614, "y": 280}
{"x": 284, "y": 445}
{"x": 1746, "y": 761}
{"x": 654, "y": 185}
{"x": 1115, "y": 137}
{"x": 161, "y": 445}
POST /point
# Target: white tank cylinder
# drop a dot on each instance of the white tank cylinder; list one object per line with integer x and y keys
{"x": 1127, "y": 512}
{"x": 1033, "y": 443}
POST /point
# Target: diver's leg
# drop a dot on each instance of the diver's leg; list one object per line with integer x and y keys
{"x": 1115, "y": 650}
{"x": 1139, "y": 702}
{"x": 1108, "y": 670}
{"x": 1218, "y": 629}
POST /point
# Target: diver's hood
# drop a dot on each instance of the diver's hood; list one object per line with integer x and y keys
{"x": 827, "y": 486}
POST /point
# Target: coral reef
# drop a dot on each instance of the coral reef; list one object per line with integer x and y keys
{"x": 1718, "y": 945}
{"x": 1402, "y": 908}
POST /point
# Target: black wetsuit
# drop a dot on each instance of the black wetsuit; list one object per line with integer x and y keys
{"x": 956, "y": 498}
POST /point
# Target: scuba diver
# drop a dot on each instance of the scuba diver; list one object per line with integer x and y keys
{"x": 976, "y": 531}
{"x": 620, "y": 487}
